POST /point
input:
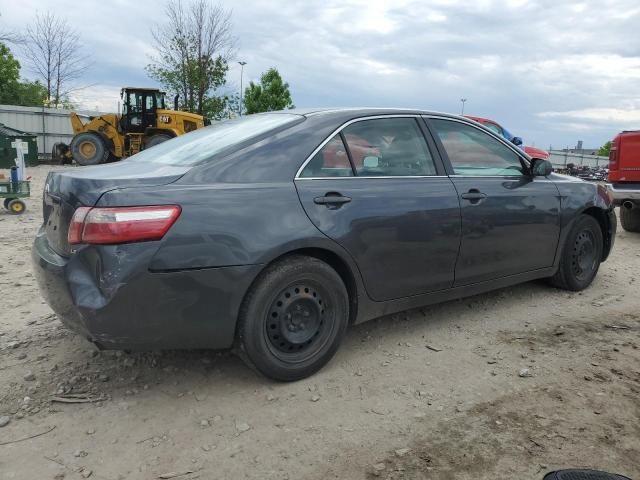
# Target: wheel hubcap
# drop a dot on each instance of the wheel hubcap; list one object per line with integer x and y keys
{"x": 584, "y": 255}
{"x": 87, "y": 149}
{"x": 296, "y": 319}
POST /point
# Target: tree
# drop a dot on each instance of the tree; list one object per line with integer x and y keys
{"x": 54, "y": 52}
{"x": 12, "y": 90}
{"x": 271, "y": 94}
{"x": 8, "y": 36}
{"x": 193, "y": 50}
{"x": 605, "y": 149}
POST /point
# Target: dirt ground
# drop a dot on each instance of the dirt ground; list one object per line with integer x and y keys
{"x": 505, "y": 385}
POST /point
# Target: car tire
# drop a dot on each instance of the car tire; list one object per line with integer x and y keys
{"x": 630, "y": 219}
{"x": 293, "y": 319}
{"x": 581, "y": 255}
{"x": 89, "y": 149}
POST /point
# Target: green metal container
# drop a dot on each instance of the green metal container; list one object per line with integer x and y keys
{"x": 8, "y": 154}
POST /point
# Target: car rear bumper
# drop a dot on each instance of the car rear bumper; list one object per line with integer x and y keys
{"x": 620, "y": 193}
{"x": 108, "y": 295}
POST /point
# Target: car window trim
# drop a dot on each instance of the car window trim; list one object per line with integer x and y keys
{"x": 371, "y": 177}
{"x": 347, "y": 149}
{"x": 415, "y": 116}
{"x": 478, "y": 126}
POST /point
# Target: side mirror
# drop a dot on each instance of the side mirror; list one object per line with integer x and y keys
{"x": 541, "y": 168}
{"x": 516, "y": 141}
{"x": 370, "y": 162}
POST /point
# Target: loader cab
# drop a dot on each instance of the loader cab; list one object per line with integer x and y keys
{"x": 139, "y": 107}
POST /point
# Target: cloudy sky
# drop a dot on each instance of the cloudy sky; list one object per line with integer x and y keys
{"x": 553, "y": 72}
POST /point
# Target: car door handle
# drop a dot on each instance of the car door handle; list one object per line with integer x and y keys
{"x": 331, "y": 199}
{"x": 473, "y": 195}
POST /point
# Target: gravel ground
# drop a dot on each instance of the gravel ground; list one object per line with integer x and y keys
{"x": 509, "y": 384}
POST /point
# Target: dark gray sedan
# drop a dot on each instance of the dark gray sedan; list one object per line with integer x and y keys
{"x": 274, "y": 232}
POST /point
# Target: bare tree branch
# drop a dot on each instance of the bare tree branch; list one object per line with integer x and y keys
{"x": 9, "y": 36}
{"x": 53, "y": 50}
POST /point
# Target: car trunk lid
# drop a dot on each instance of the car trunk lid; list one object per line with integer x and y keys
{"x": 68, "y": 189}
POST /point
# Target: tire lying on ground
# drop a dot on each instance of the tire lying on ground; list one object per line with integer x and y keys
{"x": 293, "y": 318}
{"x": 89, "y": 149}
{"x": 630, "y": 219}
{"x": 156, "y": 139}
{"x": 581, "y": 255}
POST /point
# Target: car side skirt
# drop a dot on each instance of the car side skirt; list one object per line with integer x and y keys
{"x": 368, "y": 310}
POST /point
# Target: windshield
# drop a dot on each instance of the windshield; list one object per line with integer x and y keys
{"x": 204, "y": 143}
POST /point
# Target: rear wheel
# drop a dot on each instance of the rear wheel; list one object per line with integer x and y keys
{"x": 630, "y": 219}
{"x": 157, "y": 139}
{"x": 293, "y": 319}
{"x": 16, "y": 206}
{"x": 6, "y": 203}
{"x": 89, "y": 149}
{"x": 581, "y": 255}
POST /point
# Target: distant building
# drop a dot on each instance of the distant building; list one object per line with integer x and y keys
{"x": 582, "y": 151}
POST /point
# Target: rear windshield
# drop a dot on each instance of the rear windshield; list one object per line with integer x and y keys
{"x": 204, "y": 143}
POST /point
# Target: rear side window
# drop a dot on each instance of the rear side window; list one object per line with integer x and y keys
{"x": 472, "y": 152}
{"x": 331, "y": 160}
{"x": 389, "y": 147}
{"x": 204, "y": 143}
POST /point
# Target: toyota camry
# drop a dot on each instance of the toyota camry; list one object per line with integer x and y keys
{"x": 272, "y": 233}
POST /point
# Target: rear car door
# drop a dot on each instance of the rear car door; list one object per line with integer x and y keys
{"x": 376, "y": 188}
{"x": 510, "y": 220}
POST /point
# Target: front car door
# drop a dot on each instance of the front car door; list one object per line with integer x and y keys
{"x": 376, "y": 188}
{"x": 510, "y": 220}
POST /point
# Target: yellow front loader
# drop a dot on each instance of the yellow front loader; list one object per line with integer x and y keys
{"x": 143, "y": 123}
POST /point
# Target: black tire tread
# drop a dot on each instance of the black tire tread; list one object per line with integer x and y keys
{"x": 269, "y": 276}
{"x": 630, "y": 219}
{"x": 562, "y": 278}
{"x": 99, "y": 142}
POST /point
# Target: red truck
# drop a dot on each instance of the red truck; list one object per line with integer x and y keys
{"x": 624, "y": 178}
{"x": 494, "y": 126}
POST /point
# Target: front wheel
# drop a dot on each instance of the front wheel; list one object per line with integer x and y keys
{"x": 88, "y": 148}
{"x": 293, "y": 319}
{"x": 581, "y": 255}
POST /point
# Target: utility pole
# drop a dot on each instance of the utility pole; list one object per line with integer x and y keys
{"x": 242, "y": 64}
{"x": 463, "y": 101}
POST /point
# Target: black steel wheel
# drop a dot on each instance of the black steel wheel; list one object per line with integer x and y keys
{"x": 293, "y": 319}
{"x": 581, "y": 255}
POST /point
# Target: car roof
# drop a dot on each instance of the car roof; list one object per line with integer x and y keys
{"x": 353, "y": 112}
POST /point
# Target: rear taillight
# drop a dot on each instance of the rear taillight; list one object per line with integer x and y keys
{"x": 613, "y": 155}
{"x": 121, "y": 224}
